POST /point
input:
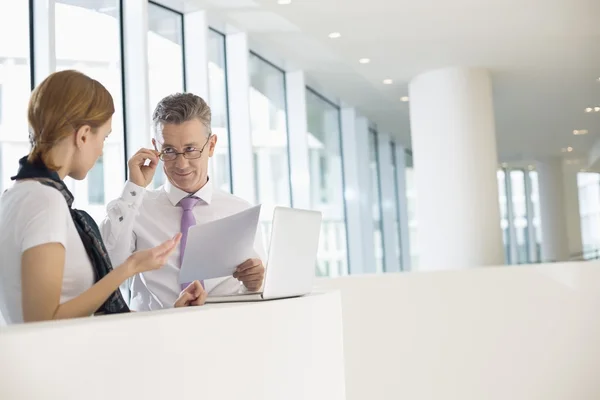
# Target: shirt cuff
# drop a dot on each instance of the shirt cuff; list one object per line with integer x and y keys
{"x": 133, "y": 194}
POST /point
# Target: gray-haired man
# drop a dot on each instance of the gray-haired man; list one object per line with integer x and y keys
{"x": 142, "y": 218}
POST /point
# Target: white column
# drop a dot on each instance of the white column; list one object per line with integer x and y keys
{"x": 572, "y": 214}
{"x": 298, "y": 139}
{"x": 240, "y": 130}
{"x": 388, "y": 203}
{"x": 402, "y": 201}
{"x": 454, "y": 147}
{"x": 555, "y": 242}
{"x": 44, "y": 43}
{"x": 135, "y": 70}
{"x": 196, "y": 53}
{"x": 352, "y": 191}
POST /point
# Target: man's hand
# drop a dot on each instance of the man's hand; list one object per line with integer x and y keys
{"x": 139, "y": 173}
{"x": 193, "y": 295}
{"x": 251, "y": 273}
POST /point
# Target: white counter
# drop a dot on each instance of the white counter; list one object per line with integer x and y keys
{"x": 286, "y": 349}
{"x": 507, "y": 333}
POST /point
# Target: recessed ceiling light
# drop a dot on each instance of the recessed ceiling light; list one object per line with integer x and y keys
{"x": 580, "y": 132}
{"x": 596, "y": 109}
{"x": 364, "y": 60}
{"x": 404, "y": 98}
{"x": 284, "y": 2}
{"x": 387, "y": 81}
{"x": 334, "y": 35}
{"x": 569, "y": 149}
{"x": 589, "y": 110}
{"x": 598, "y": 79}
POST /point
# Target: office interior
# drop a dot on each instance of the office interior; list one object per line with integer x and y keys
{"x": 453, "y": 149}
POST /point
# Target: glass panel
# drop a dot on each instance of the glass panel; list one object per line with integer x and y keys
{"x": 376, "y": 201}
{"x": 88, "y": 40}
{"x": 504, "y": 214}
{"x": 517, "y": 180}
{"x": 326, "y": 182}
{"x": 535, "y": 200}
{"x": 589, "y": 209}
{"x": 269, "y": 138}
{"x": 411, "y": 200}
{"x": 395, "y": 206}
{"x": 96, "y": 183}
{"x": 220, "y": 166}
{"x": 15, "y": 87}
{"x": 165, "y": 62}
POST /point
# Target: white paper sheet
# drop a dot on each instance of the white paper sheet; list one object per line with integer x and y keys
{"x": 217, "y": 248}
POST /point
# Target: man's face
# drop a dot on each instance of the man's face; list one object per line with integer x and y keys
{"x": 190, "y": 137}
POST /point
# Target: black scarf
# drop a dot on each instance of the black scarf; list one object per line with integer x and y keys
{"x": 86, "y": 227}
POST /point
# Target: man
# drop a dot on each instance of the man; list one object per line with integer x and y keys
{"x": 142, "y": 218}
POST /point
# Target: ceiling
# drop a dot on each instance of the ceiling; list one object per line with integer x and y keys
{"x": 544, "y": 56}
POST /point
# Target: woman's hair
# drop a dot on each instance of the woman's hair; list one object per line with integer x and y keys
{"x": 64, "y": 102}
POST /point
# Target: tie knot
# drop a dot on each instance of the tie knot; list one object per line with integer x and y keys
{"x": 188, "y": 203}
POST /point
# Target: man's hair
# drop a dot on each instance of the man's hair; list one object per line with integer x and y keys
{"x": 179, "y": 108}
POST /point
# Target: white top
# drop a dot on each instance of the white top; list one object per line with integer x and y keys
{"x": 32, "y": 214}
{"x": 143, "y": 218}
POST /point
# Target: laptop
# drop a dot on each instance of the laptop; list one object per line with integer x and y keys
{"x": 290, "y": 268}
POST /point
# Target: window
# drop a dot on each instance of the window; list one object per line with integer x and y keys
{"x": 96, "y": 183}
{"x": 535, "y": 202}
{"x": 504, "y": 214}
{"x": 326, "y": 181}
{"x": 88, "y": 40}
{"x": 220, "y": 165}
{"x": 15, "y": 86}
{"x": 519, "y": 208}
{"x": 589, "y": 208}
{"x": 1, "y": 101}
{"x": 376, "y": 201}
{"x": 165, "y": 61}
{"x": 411, "y": 203}
{"x": 515, "y": 206}
{"x": 269, "y": 136}
{"x": 394, "y": 166}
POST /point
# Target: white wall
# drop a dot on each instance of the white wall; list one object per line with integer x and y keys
{"x": 288, "y": 349}
{"x": 510, "y": 333}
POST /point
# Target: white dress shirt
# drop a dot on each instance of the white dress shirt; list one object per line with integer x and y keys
{"x": 141, "y": 219}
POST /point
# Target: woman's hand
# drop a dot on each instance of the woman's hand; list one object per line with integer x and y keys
{"x": 150, "y": 259}
{"x": 193, "y": 295}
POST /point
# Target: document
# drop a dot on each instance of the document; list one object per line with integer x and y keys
{"x": 217, "y": 248}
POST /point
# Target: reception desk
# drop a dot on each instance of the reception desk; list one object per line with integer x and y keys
{"x": 285, "y": 349}
{"x": 506, "y": 333}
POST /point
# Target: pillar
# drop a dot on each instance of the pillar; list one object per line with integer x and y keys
{"x": 454, "y": 150}
{"x": 555, "y": 240}
{"x": 572, "y": 212}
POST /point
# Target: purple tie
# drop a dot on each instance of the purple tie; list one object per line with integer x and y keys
{"x": 187, "y": 220}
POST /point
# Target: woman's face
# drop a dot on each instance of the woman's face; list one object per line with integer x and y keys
{"x": 89, "y": 148}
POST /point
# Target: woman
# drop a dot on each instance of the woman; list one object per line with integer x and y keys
{"x": 54, "y": 264}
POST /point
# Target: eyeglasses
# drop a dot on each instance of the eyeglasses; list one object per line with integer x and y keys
{"x": 170, "y": 154}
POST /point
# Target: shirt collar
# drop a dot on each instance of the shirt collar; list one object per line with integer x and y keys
{"x": 175, "y": 195}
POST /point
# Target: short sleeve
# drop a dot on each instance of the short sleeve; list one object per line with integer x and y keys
{"x": 44, "y": 218}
